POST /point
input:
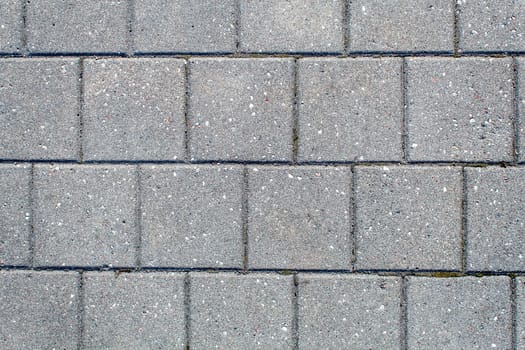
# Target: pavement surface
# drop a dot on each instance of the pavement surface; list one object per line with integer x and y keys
{"x": 262, "y": 174}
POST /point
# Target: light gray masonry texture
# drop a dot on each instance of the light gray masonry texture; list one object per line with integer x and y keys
{"x": 241, "y": 109}
{"x": 230, "y": 311}
{"x": 521, "y": 108}
{"x": 67, "y": 26}
{"x": 459, "y": 313}
{"x": 191, "y": 216}
{"x": 134, "y": 109}
{"x": 460, "y": 109}
{"x": 408, "y": 218}
{"x": 520, "y": 313}
{"x": 291, "y": 26}
{"x": 133, "y": 311}
{"x": 401, "y": 25}
{"x": 349, "y": 312}
{"x": 39, "y": 310}
{"x": 15, "y": 214}
{"x": 496, "y": 219}
{"x": 349, "y": 109}
{"x": 11, "y": 26}
{"x": 486, "y": 25}
{"x": 184, "y": 25}
{"x": 85, "y": 215}
{"x": 39, "y": 108}
{"x": 299, "y": 217}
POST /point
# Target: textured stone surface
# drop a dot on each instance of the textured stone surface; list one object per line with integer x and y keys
{"x": 241, "y": 109}
{"x": 495, "y": 219}
{"x": 356, "y": 312}
{"x": 521, "y": 108}
{"x": 349, "y": 109}
{"x": 39, "y": 108}
{"x": 520, "y": 313}
{"x": 401, "y": 25}
{"x": 298, "y": 217}
{"x": 408, "y": 218}
{"x": 133, "y": 311}
{"x": 11, "y": 23}
{"x": 134, "y": 109}
{"x": 39, "y": 310}
{"x": 230, "y": 311}
{"x": 184, "y": 26}
{"x": 460, "y": 109}
{"x": 459, "y": 313}
{"x": 85, "y": 215}
{"x": 191, "y": 216}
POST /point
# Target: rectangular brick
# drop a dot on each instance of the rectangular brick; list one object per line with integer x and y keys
{"x": 241, "y": 109}
{"x": 85, "y": 215}
{"x": 133, "y": 311}
{"x": 39, "y": 108}
{"x": 349, "y": 109}
{"x": 185, "y": 26}
{"x": 349, "y": 312}
{"x": 521, "y": 108}
{"x": 77, "y": 26}
{"x": 39, "y": 310}
{"x": 401, "y": 25}
{"x": 230, "y": 311}
{"x": 520, "y": 313}
{"x": 460, "y": 109}
{"x": 11, "y": 24}
{"x": 495, "y": 219}
{"x": 299, "y": 217}
{"x": 191, "y": 216}
{"x": 408, "y": 218}
{"x": 459, "y": 313}
{"x": 134, "y": 109}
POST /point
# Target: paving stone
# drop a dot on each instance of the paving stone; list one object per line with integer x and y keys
{"x": 460, "y": 109}
{"x": 84, "y": 215}
{"x": 343, "y": 312}
{"x": 298, "y": 217}
{"x": 520, "y": 313}
{"x": 11, "y": 23}
{"x": 408, "y": 218}
{"x": 15, "y": 214}
{"x": 486, "y": 25}
{"x": 39, "y": 108}
{"x": 230, "y": 311}
{"x": 39, "y": 310}
{"x": 184, "y": 26}
{"x": 350, "y": 109}
{"x": 191, "y": 216}
{"x": 77, "y": 26}
{"x": 495, "y": 219}
{"x": 291, "y": 26}
{"x": 134, "y": 109}
{"x": 241, "y": 109}
{"x": 133, "y": 311}
{"x": 521, "y": 107}
{"x": 401, "y": 25}
{"x": 459, "y": 313}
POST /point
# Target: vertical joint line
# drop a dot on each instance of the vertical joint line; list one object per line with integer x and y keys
{"x": 404, "y": 108}
{"x": 353, "y": 212}
{"x": 81, "y": 110}
{"x": 463, "y": 220}
{"x": 237, "y": 26}
{"x": 23, "y": 29}
{"x": 138, "y": 219}
{"x": 404, "y": 314}
{"x": 455, "y": 38}
{"x": 244, "y": 214}
{"x": 514, "y": 315}
{"x": 31, "y": 243}
{"x": 81, "y": 311}
{"x": 187, "y": 310}
{"x": 516, "y": 120}
{"x": 187, "y": 127}
{"x": 295, "y": 112}
{"x": 295, "y": 312}
{"x": 131, "y": 22}
{"x": 346, "y": 27}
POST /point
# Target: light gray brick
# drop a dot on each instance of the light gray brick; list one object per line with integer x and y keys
{"x": 85, "y": 215}
{"x": 495, "y": 219}
{"x": 77, "y": 26}
{"x": 401, "y": 25}
{"x": 460, "y": 109}
{"x": 291, "y": 26}
{"x": 520, "y": 313}
{"x": 39, "y": 108}
{"x": 459, "y": 313}
{"x": 521, "y": 108}
{"x": 184, "y": 26}
{"x": 349, "y": 312}
{"x": 230, "y": 311}
{"x": 133, "y": 311}
{"x": 408, "y": 218}
{"x": 11, "y": 26}
{"x": 241, "y": 109}
{"x": 15, "y": 214}
{"x": 191, "y": 216}
{"x": 299, "y": 217}
{"x": 486, "y": 25}
{"x": 349, "y": 109}
{"x": 39, "y": 310}
{"x": 134, "y": 109}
